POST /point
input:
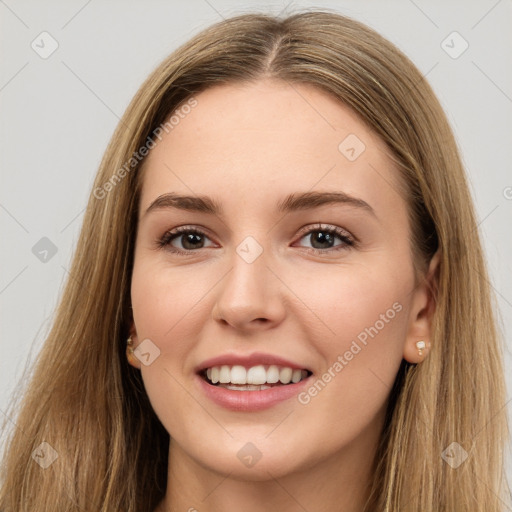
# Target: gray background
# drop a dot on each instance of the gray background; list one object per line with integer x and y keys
{"x": 58, "y": 113}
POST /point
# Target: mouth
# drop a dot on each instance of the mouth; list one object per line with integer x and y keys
{"x": 254, "y": 378}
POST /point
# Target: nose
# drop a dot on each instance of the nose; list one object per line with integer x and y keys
{"x": 251, "y": 295}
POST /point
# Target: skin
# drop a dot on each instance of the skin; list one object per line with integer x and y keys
{"x": 248, "y": 146}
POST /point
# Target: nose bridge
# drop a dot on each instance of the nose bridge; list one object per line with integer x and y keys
{"x": 249, "y": 277}
{"x": 250, "y": 290}
{"x": 250, "y": 250}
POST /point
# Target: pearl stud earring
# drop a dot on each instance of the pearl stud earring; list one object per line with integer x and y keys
{"x": 420, "y": 345}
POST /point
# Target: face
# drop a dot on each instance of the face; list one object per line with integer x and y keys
{"x": 296, "y": 265}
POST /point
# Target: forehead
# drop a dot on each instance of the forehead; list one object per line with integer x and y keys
{"x": 261, "y": 141}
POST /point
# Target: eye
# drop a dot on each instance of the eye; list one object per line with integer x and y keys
{"x": 190, "y": 239}
{"x": 324, "y": 236}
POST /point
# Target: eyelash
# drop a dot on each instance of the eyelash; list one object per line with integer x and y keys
{"x": 348, "y": 242}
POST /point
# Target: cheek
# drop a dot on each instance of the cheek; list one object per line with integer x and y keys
{"x": 361, "y": 324}
{"x": 361, "y": 351}
{"x": 166, "y": 305}
{"x": 356, "y": 301}
{"x": 166, "y": 301}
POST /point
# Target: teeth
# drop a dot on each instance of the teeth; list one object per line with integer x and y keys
{"x": 247, "y": 387}
{"x": 238, "y": 375}
{"x": 272, "y": 374}
{"x": 285, "y": 375}
{"x": 224, "y": 375}
{"x": 255, "y": 377}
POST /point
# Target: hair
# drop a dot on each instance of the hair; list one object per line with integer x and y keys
{"x": 90, "y": 405}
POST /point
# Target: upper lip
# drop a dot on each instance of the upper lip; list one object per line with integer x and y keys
{"x": 249, "y": 360}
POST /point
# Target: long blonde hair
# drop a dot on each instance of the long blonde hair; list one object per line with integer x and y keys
{"x": 90, "y": 405}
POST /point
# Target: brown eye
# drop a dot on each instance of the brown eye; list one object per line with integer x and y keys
{"x": 323, "y": 239}
{"x": 190, "y": 239}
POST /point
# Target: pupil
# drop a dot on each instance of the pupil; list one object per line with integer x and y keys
{"x": 190, "y": 239}
{"x": 323, "y": 238}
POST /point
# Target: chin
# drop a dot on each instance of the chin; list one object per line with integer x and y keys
{"x": 265, "y": 469}
{"x": 258, "y": 460}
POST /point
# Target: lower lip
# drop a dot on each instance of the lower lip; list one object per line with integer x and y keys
{"x": 250, "y": 400}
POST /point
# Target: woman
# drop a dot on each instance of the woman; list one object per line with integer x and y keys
{"x": 204, "y": 358}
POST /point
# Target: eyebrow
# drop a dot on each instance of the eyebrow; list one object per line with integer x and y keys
{"x": 292, "y": 202}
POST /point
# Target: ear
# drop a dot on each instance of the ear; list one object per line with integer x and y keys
{"x": 132, "y": 359}
{"x": 422, "y": 310}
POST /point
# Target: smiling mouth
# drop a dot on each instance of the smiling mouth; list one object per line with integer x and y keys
{"x": 255, "y": 378}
